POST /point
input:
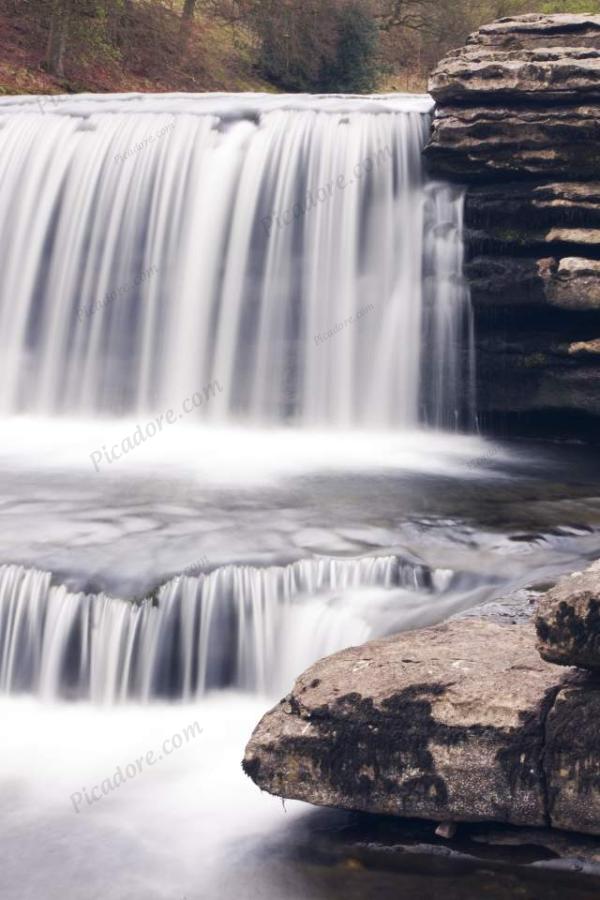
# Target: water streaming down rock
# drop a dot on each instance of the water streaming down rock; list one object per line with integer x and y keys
{"x": 290, "y": 248}
{"x": 236, "y": 627}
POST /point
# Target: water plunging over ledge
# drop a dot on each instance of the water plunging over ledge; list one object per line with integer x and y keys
{"x": 289, "y": 249}
{"x": 292, "y": 250}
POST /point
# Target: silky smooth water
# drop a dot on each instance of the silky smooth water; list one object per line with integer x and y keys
{"x": 289, "y": 250}
{"x": 236, "y": 359}
{"x": 402, "y": 548}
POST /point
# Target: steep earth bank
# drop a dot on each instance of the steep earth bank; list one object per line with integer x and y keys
{"x": 211, "y": 59}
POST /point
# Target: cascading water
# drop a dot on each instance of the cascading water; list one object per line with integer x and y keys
{"x": 292, "y": 250}
{"x": 287, "y": 260}
{"x": 237, "y": 627}
{"x": 289, "y": 248}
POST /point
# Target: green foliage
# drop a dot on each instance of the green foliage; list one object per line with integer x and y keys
{"x": 355, "y": 67}
{"x": 298, "y": 45}
{"x": 315, "y": 46}
{"x": 93, "y": 31}
{"x": 293, "y": 42}
{"x": 570, "y": 6}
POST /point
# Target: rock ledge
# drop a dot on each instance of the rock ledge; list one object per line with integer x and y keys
{"x": 518, "y": 119}
{"x": 462, "y": 722}
{"x": 568, "y": 621}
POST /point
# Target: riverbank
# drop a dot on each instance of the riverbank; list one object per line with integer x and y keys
{"x": 212, "y": 59}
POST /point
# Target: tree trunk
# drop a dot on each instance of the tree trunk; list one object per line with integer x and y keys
{"x": 189, "y": 8}
{"x": 187, "y": 17}
{"x": 57, "y": 39}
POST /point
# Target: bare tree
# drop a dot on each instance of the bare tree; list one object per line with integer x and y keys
{"x": 416, "y": 15}
{"x": 189, "y": 8}
{"x": 57, "y": 37}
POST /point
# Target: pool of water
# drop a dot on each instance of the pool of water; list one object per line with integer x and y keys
{"x": 476, "y": 519}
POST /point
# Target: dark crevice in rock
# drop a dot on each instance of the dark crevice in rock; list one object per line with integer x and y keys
{"x": 552, "y": 424}
{"x": 524, "y": 246}
{"x": 544, "y": 775}
{"x": 534, "y": 207}
{"x": 535, "y": 101}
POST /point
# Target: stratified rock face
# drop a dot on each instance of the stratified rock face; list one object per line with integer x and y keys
{"x": 568, "y": 621}
{"x": 506, "y": 142}
{"x": 555, "y": 55}
{"x": 518, "y": 117}
{"x": 448, "y": 723}
{"x": 573, "y": 283}
{"x": 520, "y": 99}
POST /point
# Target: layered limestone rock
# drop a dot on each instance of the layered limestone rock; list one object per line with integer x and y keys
{"x": 568, "y": 621}
{"x": 518, "y": 118}
{"x": 521, "y": 98}
{"x": 524, "y": 55}
{"x": 542, "y": 142}
{"x": 462, "y": 722}
{"x": 572, "y": 283}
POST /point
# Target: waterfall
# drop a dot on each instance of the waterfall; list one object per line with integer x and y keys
{"x": 290, "y": 249}
{"x": 241, "y": 627}
{"x": 251, "y": 260}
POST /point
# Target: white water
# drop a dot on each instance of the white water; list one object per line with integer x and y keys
{"x": 142, "y": 261}
{"x": 241, "y": 627}
{"x": 153, "y": 246}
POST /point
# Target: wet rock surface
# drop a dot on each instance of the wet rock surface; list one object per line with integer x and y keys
{"x": 568, "y": 621}
{"x": 463, "y": 722}
{"x": 518, "y": 113}
{"x": 517, "y": 608}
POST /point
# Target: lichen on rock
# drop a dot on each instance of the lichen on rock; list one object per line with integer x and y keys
{"x": 568, "y": 621}
{"x": 447, "y": 723}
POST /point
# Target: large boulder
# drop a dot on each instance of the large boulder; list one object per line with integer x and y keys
{"x": 448, "y": 723}
{"x": 568, "y": 621}
{"x": 573, "y": 283}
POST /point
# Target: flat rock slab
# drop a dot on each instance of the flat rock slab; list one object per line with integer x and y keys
{"x": 568, "y": 621}
{"x": 448, "y": 723}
